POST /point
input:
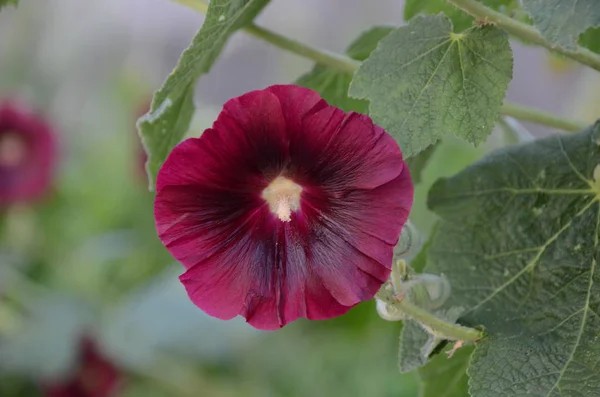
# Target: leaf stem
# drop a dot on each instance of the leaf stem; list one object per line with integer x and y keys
{"x": 349, "y": 65}
{"x": 442, "y": 328}
{"x": 435, "y": 325}
{"x": 541, "y": 117}
{"x": 524, "y": 31}
{"x": 331, "y": 59}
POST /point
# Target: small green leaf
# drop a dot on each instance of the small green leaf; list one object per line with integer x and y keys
{"x": 446, "y": 376}
{"x": 460, "y": 19}
{"x": 417, "y": 163}
{"x": 172, "y": 106}
{"x": 591, "y": 39}
{"x": 419, "y": 262}
{"x": 363, "y": 46}
{"x": 425, "y": 81}
{"x": 417, "y": 344}
{"x": 519, "y": 239}
{"x": 562, "y": 21}
{"x": 333, "y": 85}
{"x": 13, "y": 3}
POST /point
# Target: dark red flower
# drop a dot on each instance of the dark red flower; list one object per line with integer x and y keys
{"x": 27, "y": 154}
{"x": 95, "y": 377}
{"x": 287, "y": 207}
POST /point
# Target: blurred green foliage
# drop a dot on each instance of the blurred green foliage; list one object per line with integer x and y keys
{"x": 87, "y": 261}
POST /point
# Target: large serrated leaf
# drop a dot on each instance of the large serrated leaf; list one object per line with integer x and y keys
{"x": 172, "y": 106}
{"x": 519, "y": 243}
{"x": 562, "y": 21}
{"x": 446, "y": 376}
{"x": 424, "y": 81}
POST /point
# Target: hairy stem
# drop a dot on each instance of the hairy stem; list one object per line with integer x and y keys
{"x": 349, "y": 65}
{"x": 524, "y": 31}
{"x": 442, "y": 328}
{"x": 540, "y": 117}
{"x": 435, "y": 325}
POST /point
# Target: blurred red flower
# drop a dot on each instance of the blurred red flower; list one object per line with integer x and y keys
{"x": 95, "y": 377}
{"x": 286, "y": 208}
{"x": 27, "y": 154}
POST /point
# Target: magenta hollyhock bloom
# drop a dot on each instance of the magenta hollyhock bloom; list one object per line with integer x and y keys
{"x": 96, "y": 376}
{"x": 27, "y": 154}
{"x": 286, "y": 208}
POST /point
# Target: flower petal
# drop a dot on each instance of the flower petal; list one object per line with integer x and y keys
{"x": 231, "y": 155}
{"x": 344, "y": 151}
{"x": 296, "y": 104}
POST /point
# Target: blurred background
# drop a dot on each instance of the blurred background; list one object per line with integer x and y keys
{"x": 90, "y": 303}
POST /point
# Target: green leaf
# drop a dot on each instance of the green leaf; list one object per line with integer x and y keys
{"x": 562, "y": 21}
{"x": 591, "y": 39}
{"x": 424, "y": 81}
{"x": 519, "y": 242}
{"x": 446, "y": 377}
{"x": 13, "y": 3}
{"x": 417, "y": 163}
{"x": 417, "y": 345}
{"x": 460, "y": 19}
{"x": 419, "y": 262}
{"x": 363, "y": 46}
{"x": 333, "y": 85}
{"x": 172, "y": 106}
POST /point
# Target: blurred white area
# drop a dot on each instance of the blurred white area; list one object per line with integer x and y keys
{"x": 75, "y": 49}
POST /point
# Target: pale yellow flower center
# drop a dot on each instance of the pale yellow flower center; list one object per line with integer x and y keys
{"x": 13, "y": 149}
{"x": 283, "y": 197}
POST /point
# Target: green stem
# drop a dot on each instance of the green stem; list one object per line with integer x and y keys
{"x": 442, "y": 328}
{"x": 349, "y": 65}
{"x": 336, "y": 61}
{"x": 333, "y": 60}
{"x": 524, "y": 31}
{"x": 439, "y": 327}
{"x": 537, "y": 116}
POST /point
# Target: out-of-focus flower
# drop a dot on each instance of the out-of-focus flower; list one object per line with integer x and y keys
{"x": 286, "y": 208}
{"x": 27, "y": 154}
{"x": 95, "y": 376}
